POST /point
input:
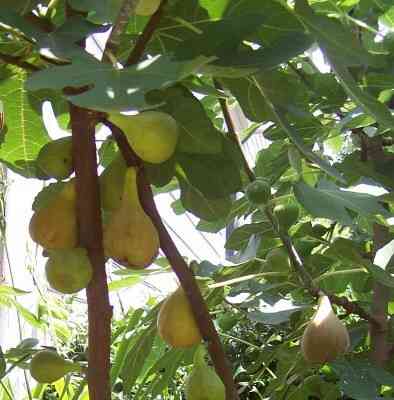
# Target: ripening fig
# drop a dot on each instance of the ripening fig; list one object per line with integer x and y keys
{"x": 176, "y": 323}
{"x": 203, "y": 383}
{"x": 258, "y": 192}
{"x": 112, "y": 184}
{"x": 55, "y": 225}
{"x": 130, "y": 238}
{"x": 153, "y": 135}
{"x": 147, "y": 7}
{"x": 325, "y": 336}
{"x": 55, "y": 158}
{"x": 47, "y": 366}
{"x": 68, "y": 270}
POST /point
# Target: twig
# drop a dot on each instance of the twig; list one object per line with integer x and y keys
{"x": 7, "y": 59}
{"x": 180, "y": 267}
{"x": 231, "y": 133}
{"x": 146, "y": 35}
{"x": 121, "y": 22}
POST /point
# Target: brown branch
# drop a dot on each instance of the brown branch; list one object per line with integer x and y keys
{"x": 91, "y": 237}
{"x": 231, "y": 132}
{"x": 307, "y": 281}
{"x": 146, "y": 35}
{"x": 120, "y": 24}
{"x": 181, "y": 269}
{"x": 380, "y": 345}
{"x": 7, "y": 59}
{"x": 90, "y": 234}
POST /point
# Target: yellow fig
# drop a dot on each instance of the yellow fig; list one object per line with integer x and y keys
{"x": 203, "y": 383}
{"x": 112, "y": 183}
{"x": 47, "y": 366}
{"x": 130, "y": 238}
{"x": 55, "y": 158}
{"x": 55, "y": 225}
{"x": 68, "y": 270}
{"x": 147, "y": 7}
{"x": 153, "y": 135}
{"x": 176, "y": 323}
{"x": 325, "y": 336}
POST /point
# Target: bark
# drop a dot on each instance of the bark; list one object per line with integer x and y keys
{"x": 91, "y": 237}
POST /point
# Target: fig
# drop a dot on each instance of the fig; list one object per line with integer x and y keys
{"x": 112, "y": 183}
{"x": 130, "y": 238}
{"x": 47, "y": 366}
{"x": 286, "y": 215}
{"x": 176, "y": 323}
{"x": 203, "y": 383}
{"x": 147, "y": 7}
{"x": 68, "y": 270}
{"x": 153, "y": 135}
{"x": 55, "y": 158}
{"x": 325, "y": 337}
{"x": 55, "y": 225}
{"x": 278, "y": 260}
{"x": 258, "y": 192}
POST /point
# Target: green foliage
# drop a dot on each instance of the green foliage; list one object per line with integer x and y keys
{"x": 328, "y": 152}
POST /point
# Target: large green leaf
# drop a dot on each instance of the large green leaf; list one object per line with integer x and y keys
{"x": 112, "y": 89}
{"x": 343, "y": 49}
{"x": 197, "y": 132}
{"x": 360, "y": 379}
{"x": 214, "y": 176}
{"x": 26, "y": 133}
{"x": 330, "y": 201}
{"x": 137, "y": 355}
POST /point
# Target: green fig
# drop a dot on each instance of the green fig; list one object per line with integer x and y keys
{"x": 112, "y": 183}
{"x": 203, "y": 383}
{"x": 153, "y": 135}
{"x": 325, "y": 337}
{"x": 176, "y": 323}
{"x": 278, "y": 260}
{"x": 68, "y": 270}
{"x": 47, "y": 366}
{"x": 55, "y": 158}
{"x": 258, "y": 192}
{"x": 286, "y": 215}
{"x": 55, "y": 225}
{"x": 130, "y": 238}
{"x": 147, "y": 7}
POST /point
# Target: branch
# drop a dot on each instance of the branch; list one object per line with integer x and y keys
{"x": 91, "y": 237}
{"x": 181, "y": 269}
{"x": 307, "y": 281}
{"x": 18, "y": 61}
{"x": 121, "y": 22}
{"x": 231, "y": 133}
{"x": 90, "y": 234}
{"x": 146, "y": 35}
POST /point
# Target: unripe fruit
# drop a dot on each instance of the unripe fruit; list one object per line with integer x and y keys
{"x": 258, "y": 191}
{"x": 286, "y": 215}
{"x": 55, "y": 158}
{"x": 203, "y": 383}
{"x": 68, "y": 270}
{"x": 47, "y": 366}
{"x": 153, "y": 135}
{"x": 325, "y": 336}
{"x": 278, "y": 260}
{"x": 176, "y": 323}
